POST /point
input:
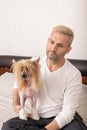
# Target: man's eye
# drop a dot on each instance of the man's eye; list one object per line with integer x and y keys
{"x": 59, "y": 45}
{"x": 52, "y": 42}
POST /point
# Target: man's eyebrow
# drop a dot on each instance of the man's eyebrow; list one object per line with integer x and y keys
{"x": 57, "y": 43}
{"x": 60, "y": 43}
{"x": 50, "y": 39}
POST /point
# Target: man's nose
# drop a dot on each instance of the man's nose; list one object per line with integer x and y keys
{"x": 53, "y": 48}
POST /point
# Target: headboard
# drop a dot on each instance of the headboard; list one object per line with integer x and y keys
{"x": 82, "y": 66}
{"x": 6, "y": 60}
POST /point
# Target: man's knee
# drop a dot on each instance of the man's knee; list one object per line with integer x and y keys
{"x": 10, "y": 124}
{"x": 5, "y": 126}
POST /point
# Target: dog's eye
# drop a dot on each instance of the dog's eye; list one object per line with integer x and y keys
{"x": 22, "y": 69}
{"x": 27, "y": 69}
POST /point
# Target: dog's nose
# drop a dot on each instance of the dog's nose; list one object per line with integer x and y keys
{"x": 24, "y": 76}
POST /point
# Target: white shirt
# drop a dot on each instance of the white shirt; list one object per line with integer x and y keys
{"x": 59, "y": 92}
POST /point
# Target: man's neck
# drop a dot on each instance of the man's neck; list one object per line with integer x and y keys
{"x": 54, "y": 66}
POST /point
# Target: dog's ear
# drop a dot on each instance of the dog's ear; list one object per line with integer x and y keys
{"x": 13, "y": 61}
{"x": 37, "y": 60}
{"x": 13, "y": 64}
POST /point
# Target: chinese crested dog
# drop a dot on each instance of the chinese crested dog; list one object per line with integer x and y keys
{"x": 27, "y": 73}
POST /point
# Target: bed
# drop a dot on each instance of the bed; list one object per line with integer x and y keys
{"x": 7, "y": 80}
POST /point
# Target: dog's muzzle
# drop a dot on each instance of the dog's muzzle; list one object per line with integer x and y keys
{"x": 24, "y": 76}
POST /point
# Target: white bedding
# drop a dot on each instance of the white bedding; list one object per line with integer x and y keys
{"x": 6, "y": 109}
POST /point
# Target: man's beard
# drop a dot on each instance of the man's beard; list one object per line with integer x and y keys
{"x": 53, "y": 56}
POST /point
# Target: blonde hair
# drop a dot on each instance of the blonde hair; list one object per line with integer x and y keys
{"x": 64, "y": 30}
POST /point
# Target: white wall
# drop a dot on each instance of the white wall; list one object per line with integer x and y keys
{"x": 26, "y": 24}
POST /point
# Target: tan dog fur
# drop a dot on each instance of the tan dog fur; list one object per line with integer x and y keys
{"x": 27, "y": 73}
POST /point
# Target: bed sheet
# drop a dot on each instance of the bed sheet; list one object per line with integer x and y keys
{"x": 6, "y": 110}
{"x": 6, "y": 85}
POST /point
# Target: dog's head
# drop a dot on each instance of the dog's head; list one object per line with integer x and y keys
{"x": 27, "y": 72}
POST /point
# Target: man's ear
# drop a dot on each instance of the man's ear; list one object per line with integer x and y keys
{"x": 68, "y": 50}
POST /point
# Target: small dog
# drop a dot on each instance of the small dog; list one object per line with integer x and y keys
{"x": 27, "y": 73}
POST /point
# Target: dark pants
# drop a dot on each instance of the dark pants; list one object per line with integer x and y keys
{"x": 30, "y": 124}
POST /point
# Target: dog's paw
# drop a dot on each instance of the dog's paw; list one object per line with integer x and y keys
{"x": 23, "y": 114}
{"x": 35, "y": 114}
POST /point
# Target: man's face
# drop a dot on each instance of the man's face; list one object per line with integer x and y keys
{"x": 57, "y": 46}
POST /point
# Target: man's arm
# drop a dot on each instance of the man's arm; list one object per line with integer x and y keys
{"x": 16, "y": 100}
{"x": 71, "y": 100}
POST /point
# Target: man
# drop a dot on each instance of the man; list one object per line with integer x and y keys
{"x": 60, "y": 88}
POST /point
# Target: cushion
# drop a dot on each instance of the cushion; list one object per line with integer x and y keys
{"x": 6, "y": 107}
{"x": 83, "y": 104}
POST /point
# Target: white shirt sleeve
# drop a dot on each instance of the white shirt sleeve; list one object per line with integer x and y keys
{"x": 71, "y": 97}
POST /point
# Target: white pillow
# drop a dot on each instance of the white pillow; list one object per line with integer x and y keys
{"x": 6, "y": 83}
{"x": 83, "y": 104}
{"x": 6, "y": 108}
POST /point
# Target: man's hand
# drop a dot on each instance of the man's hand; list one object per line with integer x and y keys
{"x": 17, "y": 108}
{"x": 16, "y": 100}
{"x": 52, "y": 126}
